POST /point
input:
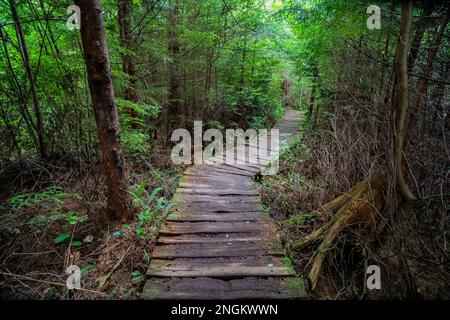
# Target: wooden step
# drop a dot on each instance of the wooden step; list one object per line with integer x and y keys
{"x": 215, "y": 238}
{"x": 207, "y": 227}
{"x": 218, "y": 191}
{"x": 227, "y": 197}
{"x": 226, "y": 267}
{"x": 229, "y": 217}
{"x": 215, "y": 289}
{"x": 202, "y": 184}
{"x": 219, "y": 207}
{"x": 224, "y": 249}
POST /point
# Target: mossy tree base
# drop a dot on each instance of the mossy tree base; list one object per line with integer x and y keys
{"x": 358, "y": 206}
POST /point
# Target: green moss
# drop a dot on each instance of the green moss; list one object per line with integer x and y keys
{"x": 150, "y": 293}
{"x": 175, "y": 215}
{"x": 176, "y": 198}
{"x": 287, "y": 262}
{"x": 296, "y": 286}
{"x": 297, "y": 219}
{"x": 276, "y": 244}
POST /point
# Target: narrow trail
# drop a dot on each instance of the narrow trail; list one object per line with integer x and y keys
{"x": 218, "y": 244}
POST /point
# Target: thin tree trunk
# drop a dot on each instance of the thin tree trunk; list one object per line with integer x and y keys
{"x": 124, "y": 8}
{"x": 422, "y": 85}
{"x": 173, "y": 114}
{"x": 124, "y": 20}
{"x": 51, "y": 35}
{"x": 244, "y": 57}
{"x": 401, "y": 69}
{"x": 40, "y": 129}
{"x": 417, "y": 40}
{"x": 102, "y": 93}
{"x": 23, "y": 109}
{"x": 383, "y": 68}
{"x": 439, "y": 94}
{"x": 311, "y": 102}
{"x": 300, "y": 104}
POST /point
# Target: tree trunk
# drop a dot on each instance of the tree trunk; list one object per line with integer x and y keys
{"x": 40, "y": 129}
{"x": 311, "y": 103}
{"x": 100, "y": 83}
{"x": 417, "y": 40}
{"x": 124, "y": 19}
{"x": 422, "y": 85}
{"x": 401, "y": 105}
{"x": 22, "y": 103}
{"x": 244, "y": 58}
{"x": 383, "y": 69}
{"x": 174, "y": 116}
{"x": 124, "y": 8}
{"x": 51, "y": 34}
{"x": 439, "y": 93}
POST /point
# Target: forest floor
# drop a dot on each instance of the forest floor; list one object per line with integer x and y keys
{"x": 58, "y": 222}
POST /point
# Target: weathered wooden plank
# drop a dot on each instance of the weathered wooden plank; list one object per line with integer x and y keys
{"x": 253, "y": 266}
{"x": 215, "y": 238}
{"x": 186, "y": 199}
{"x": 206, "y": 227}
{"x": 219, "y": 207}
{"x": 224, "y": 249}
{"x": 218, "y": 192}
{"x": 243, "y": 167}
{"x": 216, "y": 289}
{"x": 232, "y": 216}
{"x": 219, "y": 172}
{"x": 219, "y": 184}
{"x": 234, "y": 171}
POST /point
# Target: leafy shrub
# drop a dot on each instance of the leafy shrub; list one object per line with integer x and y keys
{"x": 151, "y": 209}
{"x": 50, "y": 194}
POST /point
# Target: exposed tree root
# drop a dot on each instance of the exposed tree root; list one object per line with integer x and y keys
{"x": 359, "y": 205}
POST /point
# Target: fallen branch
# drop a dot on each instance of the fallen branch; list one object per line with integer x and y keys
{"x": 104, "y": 280}
{"x": 48, "y": 282}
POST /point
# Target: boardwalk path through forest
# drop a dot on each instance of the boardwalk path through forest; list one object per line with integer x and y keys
{"x": 218, "y": 243}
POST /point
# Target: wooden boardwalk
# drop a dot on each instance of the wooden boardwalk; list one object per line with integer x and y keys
{"x": 218, "y": 243}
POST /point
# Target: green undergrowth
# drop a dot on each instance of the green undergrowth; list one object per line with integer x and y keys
{"x": 291, "y": 197}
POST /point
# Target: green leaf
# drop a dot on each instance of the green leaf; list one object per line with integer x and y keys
{"x": 118, "y": 233}
{"x": 86, "y": 268}
{"x": 62, "y": 237}
{"x": 152, "y": 196}
{"x": 169, "y": 206}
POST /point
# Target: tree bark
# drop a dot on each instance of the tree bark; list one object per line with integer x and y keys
{"x": 383, "y": 68}
{"x": 124, "y": 20}
{"x": 244, "y": 58}
{"x": 417, "y": 40}
{"x": 439, "y": 93}
{"x": 40, "y": 128}
{"x": 401, "y": 105}
{"x": 174, "y": 116}
{"x": 22, "y": 103}
{"x": 311, "y": 103}
{"x": 422, "y": 85}
{"x": 100, "y": 83}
